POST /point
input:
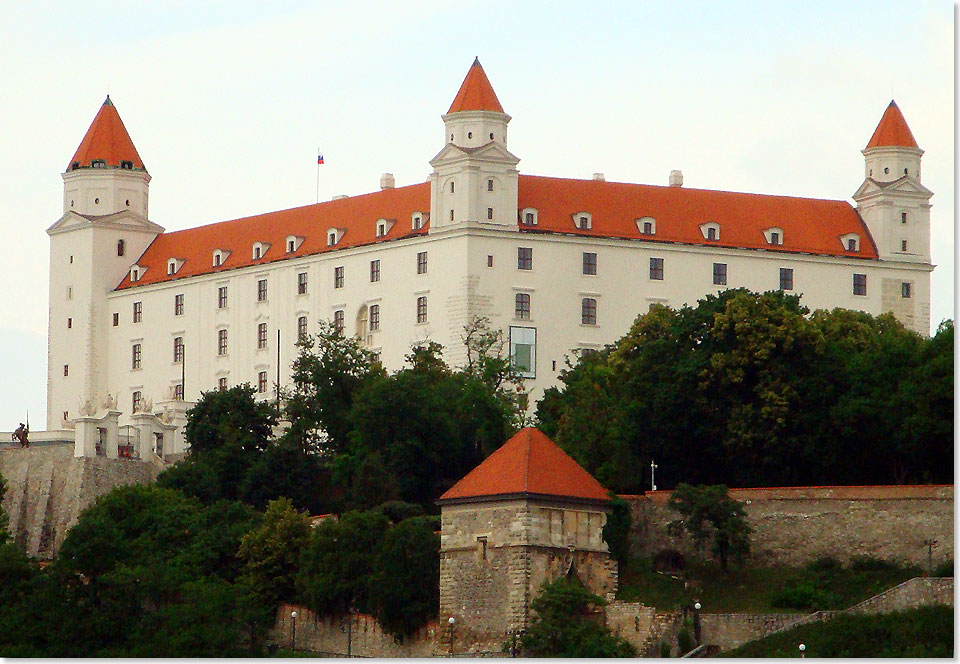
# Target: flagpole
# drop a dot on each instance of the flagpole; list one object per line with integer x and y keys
{"x": 318, "y": 176}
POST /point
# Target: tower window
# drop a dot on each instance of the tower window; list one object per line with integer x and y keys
{"x": 903, "y": 245}
{"x": 137, "y": 401}
{"x": 588, "y": 311}
{"x": 491, "y": 135}
{"x": 126, "y": 164}
{"x": 121, "y": 246}
{"x": 222, "y": 384}
{"x": 338, "y": 321}
{"x": 302, "y": 283}
{"x": 96, "y": 201}
{"x": 262, "y": 382}
{"x": 221, "y": 342}
{"x": 886, "y": 171}
{"x": 98, "y": 163}
{"x": 452, "y": 187}
{"x": 261, "y": 336}
{"x": 524, "y": 258}
{"x": 469, "y": 134}
{"x": 71, "y": 260}
{"x": 116, "y": 319}
{"x": 178, "y": 350}
{"x": 906, "y": 171}
{"x": 137, "y": 312}
{"x": 490, "y": 182}
{"x": 589, "y": 263}
{"x": 261, "y": 290}
{"x": 656, "y": 269}
{"x": 301, "y": 328}
{"x": 489, "y": 213}
{"x": 66, "y": 369}
{"x": 135, "y": 359}
{"x": 422, "y": 262}
{"x": 522, "y": 306}
{"x": 222, "y": 297}
{"x": 338, "y": 277}
{"x": 451, "y": 215}
{"x": 178, "y": 392}
{"x": 422, "y": 309}
{"x": 859, "y": 284}
{"x": 178, "y": 304}
{"x": 489, "y": 260}
{"x": 905, "y": 289}
{"x": 69, "y": 323}
{"x": 374, "y": 317}
{"x": 903, "y": 217}
{"x": 720, "y": 274}
{"x": 128, "y": 202}
{"x": 375, "y": 270}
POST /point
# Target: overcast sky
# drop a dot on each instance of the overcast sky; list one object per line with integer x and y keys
{"x": 227, "y": 103}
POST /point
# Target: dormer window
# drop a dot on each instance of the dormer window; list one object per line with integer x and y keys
{"x": 850, "y": 241}
{"x": 416, "y": 220}
{"x": 260, "y": 250}
{"x": 384, "y": 226}
{"x": 710, "y": 230}
{"x": 98, "y": 163}
{"x": 174, "y": 264}
{"x": 220, "y": 257}
{"x": 121, "y": 246}
{"x": 647, "y": 225}
{"x": 773, "y": 235}
{"x": 136, "y": 272}
{"x": 127, "y": 165}
{"x": 334, "y": 235}
{"x": 583, "y": 221}
{"x": 293, "y": 243}
{"x": 528, "y": 216}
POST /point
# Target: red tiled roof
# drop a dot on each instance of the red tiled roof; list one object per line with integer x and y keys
{"x": 476, "y": 93}
{"x": 892, "y": 130}
{"x": 106, "y": 139}
{"x": 809, "y": 225}
{"x": 528, "y": 463}
{"x": 356, "y": 214}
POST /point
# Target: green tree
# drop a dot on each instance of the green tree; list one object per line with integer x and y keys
{"x": 407, "y": 576}
{"x": 4, "y": 520}
{"x": 709, "y": 513}
{"x": 567, "y": 624}
{"x": 616, "y": 531}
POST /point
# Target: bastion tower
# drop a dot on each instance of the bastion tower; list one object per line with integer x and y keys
{"x": 527, "y": 514}
{"x": 104, "y": 228}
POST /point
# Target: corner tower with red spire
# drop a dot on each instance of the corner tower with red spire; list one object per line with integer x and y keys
{"x": 103, "y": 232}
{"x": 475, "y": 177}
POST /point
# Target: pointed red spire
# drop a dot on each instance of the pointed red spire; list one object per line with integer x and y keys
{"x": 106, "y": 139}
{"x": 892, "y": 130}
{"x": 476, "y": 93}
{"x": 528, "y": 463}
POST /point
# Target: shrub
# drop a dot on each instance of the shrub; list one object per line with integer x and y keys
{"x": 668, "y": 560}
{"x": 664, "y": 650}
{"x": 684, "y": 640}
{"x": 944, "y": 569}
{"x": 803, "y": 595}
{"x": 870, "y": 563}
{"x": 824, "y": 564}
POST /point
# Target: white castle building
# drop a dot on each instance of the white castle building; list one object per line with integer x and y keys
{"x": 143, "y": 320}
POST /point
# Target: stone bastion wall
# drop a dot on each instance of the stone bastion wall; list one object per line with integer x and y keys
{"x": 794, "y": 525}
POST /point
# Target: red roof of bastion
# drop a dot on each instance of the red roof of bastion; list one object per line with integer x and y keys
{"x": 892, "y": 130}
{"x": 528, "y": 463}
{"x": 106, "y": 139}
{"x": 476, "y": 93}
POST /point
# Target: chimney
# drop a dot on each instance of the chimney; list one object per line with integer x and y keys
{"x": 387, "y": 181}
{"x": 598, "y": 177}
{"x": 676, "y": 178}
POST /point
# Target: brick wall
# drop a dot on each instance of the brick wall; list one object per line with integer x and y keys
{"x": 794, "y": 525}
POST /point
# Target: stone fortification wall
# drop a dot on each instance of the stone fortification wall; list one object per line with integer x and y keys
{"x": 794, "y": 525}
{"x": 729, "y": 630}
{"x": 47, "y": 488}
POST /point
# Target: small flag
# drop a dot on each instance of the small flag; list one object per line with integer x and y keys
{"x": 319, "y": 157}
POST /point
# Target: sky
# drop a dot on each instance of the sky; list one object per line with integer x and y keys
{"x": 227, "y": 103}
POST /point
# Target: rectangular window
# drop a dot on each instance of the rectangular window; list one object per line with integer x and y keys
{"x": 222, "y": 297}
{"x": 261, "y": 290}
{"x": 262, "y": 382}
{"x": 489, "y": 260}
{"x": 489, "y": 213}
{"x": 589, "y": 263}
{"x": 489, "y": 185}
{"x": 905, "y": 288}
{"x": 178, "y": 349}
{"x": 422, "y": 309}
{"x": 262, "y": 335}
{"x": 135, "y": 363}
{"x": 903, "y": 245}
{"x": 774, "y": 238}
{"x": 116, "y": 319}
{"x": 903, "y": 217}
{"x": 522, "y": 306}
{"x": 221, "y": 342}
{"x": 375, "y": 270}
{"x": 588, "y": 311}
{"x": 859, "y": 284}
{"x": 524, "y": 258}
{"x": 656, "y": 269}
{"x": 137, "y": 312}
{"x": 178, "y": 392}
{"x": 338, "y": 277}
{"x": 851, "y": 245}
{"x": 583, "y": 223}
{"x": 137, "y": 401}
{"x": 338, "y": 321}
{"x": 301, "y": 328}
{"x": 422, "y": 262}
{"x": 66, "y": 369}
{"x": 786, "y": 278}
{"x": 648, "y": 228}
{"x": 291, "y": 246}
{"x": 720, "y": 274}
{"x": 302, "y": 283}
{"x": 374, "y": 317}
{"x": 381, "y": 230}
{"x": 529, "y": 219}
{"x": 711, "y": 233}
{"x": 178, "y": 304}
{"x": 222, "y": 384}
{"x": 69, "y": 323}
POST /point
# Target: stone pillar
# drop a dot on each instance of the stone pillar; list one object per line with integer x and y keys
{"x": 87, "y": 434}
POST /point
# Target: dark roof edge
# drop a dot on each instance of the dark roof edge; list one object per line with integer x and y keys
{"x": 547, "y": 497}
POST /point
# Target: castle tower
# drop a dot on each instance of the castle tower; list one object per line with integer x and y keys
{"x": 891, "y": 200}
{"x": 527, "y": 514}
{"x": 474, "y": 177}
{"x": 103, "y": 231}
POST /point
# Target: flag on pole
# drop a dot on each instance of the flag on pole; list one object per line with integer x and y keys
{"x": 319, "y": 157}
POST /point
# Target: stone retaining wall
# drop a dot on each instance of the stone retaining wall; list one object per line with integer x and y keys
{"x": 794, "y": 525}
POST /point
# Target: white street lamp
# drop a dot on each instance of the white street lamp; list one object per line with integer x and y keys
{"x": 294, "y": 616}
{"x": 803, "y": 649}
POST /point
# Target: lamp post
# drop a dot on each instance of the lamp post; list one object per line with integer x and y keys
{"x": 803, "y": 649}
{"x": 653, "y": 468}
{"x": 453, "y": 623}
{"x": 696, "y": 621}
{"x": 294, "y": 639}
{"x": 930, "y": 543}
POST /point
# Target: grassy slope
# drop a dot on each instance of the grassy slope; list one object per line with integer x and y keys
{"x": 752, "y": 590}
{"x": 923, "y": 632}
